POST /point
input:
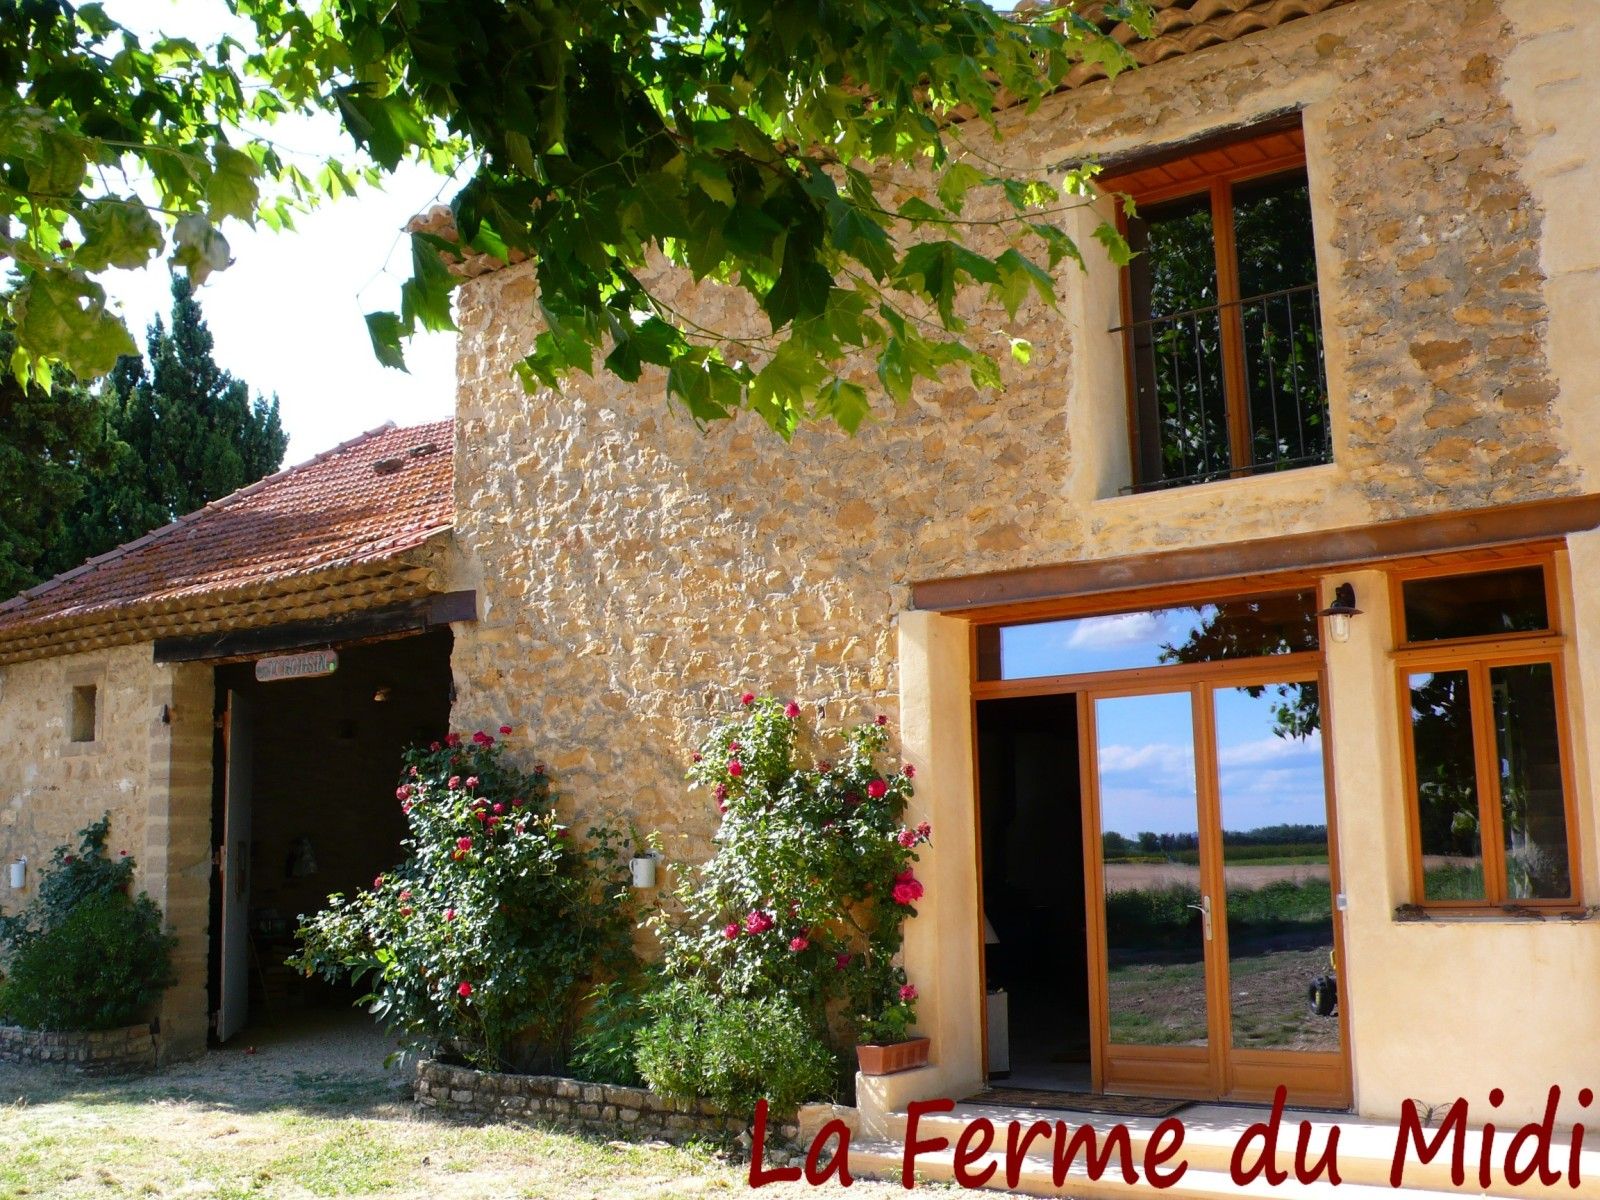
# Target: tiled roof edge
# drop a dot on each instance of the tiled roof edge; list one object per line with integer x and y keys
{"x": 187, "y": 519}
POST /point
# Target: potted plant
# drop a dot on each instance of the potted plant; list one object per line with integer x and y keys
{"x": 887, "y": 1045}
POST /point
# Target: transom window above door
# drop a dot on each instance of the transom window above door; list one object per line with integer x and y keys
{"x": 1238, "y": 627}
{"x": 1221, "y": 323}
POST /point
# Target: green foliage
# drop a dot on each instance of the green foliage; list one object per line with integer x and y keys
{"x": 85, "y": 955}
{"x": 813, "y": 877}
{"x": 608, "y": 1038}
{"x": 749, "y": 143}
{"x": 733, "y": 1050}
{"x": 483, "y": 942}
{"x": 52, "y": 446}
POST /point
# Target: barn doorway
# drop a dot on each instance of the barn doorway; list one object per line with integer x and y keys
{"x": 304, "y": 807}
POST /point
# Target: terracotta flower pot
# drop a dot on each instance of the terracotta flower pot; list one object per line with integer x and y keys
{"x": 897, "y": 1056}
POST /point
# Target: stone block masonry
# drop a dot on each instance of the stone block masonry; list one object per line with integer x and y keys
{"x": 635, "y": 1113}
{"x": 106, "y": 1052}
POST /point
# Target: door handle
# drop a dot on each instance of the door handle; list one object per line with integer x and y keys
{"x": 1204, "y": 909}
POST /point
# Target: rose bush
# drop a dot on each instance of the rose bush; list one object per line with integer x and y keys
{"x": 806, "y": 895}
{"x": 483, "y": 942}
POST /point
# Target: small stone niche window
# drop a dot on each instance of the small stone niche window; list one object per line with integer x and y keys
{"x": 82, "y": 719}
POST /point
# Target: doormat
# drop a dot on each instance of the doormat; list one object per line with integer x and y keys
{"x": 1119, "y": 1106}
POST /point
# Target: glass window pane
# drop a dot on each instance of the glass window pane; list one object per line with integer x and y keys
{"x": 1282, "y": 623}
{"x": 1283, "y": 359}
{"x": 1447, "y": 786}
{"x": 1532, "y": 801}
{"x": 1275, "y": 867}
{"x": 1480, "y": 605}
{"x": 1177, "y": 343}
{"x": 1150, "y": 836}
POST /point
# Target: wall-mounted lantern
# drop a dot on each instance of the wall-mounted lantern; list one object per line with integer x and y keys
{"x": 1340, "y": 612}
{"x": 643, "y": 867}
{"x": 19, "y": 874}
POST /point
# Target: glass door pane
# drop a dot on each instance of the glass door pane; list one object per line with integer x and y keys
{"x": 1282, "y": 981}
{"x": 1150, "y": 841}
{"x": 1447, "y": 785}
{"x": 1533, "y": 807}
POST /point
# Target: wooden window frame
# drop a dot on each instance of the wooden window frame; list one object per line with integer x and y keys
{"x": 1152, "y": 182}
{"x": 1477, "y": 656}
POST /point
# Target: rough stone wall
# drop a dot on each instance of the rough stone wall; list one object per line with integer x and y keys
{"x": 594, "y": 1107}
{"x": 152, "y": 775}
{"x": 109, "y": 1052}
{"x": 636, "y": 573}
{"x": 50, "y": 786}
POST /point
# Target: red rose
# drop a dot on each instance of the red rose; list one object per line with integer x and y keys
{"x": 909, "y": 771}
{"x": 505, "y": 729}
{"x": 516, "y": 802}
{"x": 924, "y": 830}
{"x": 877, "y": 789}
{"x": 463, "y": 989}
{"x": 453, "y": 782}
{"x": 798, "y": 944}
{"x": 482, "y": 738}
{"x": 824, "y": 766}
{"x": 493, "y": 821}
{"x": 405, "y": 910}
{"x": 791, "y": 710}
{"x": 747, "y": 699}
{"x": 907, "y": 888}
{"x": 909, "y": 992}
{"x": 882, "y": 720}
{"x": 735, "y": 767}
{"x": 695, "y": 757}
{"x": 841, "y": 961}
{"x": 463, "y": 844}
{"x": 377, "y": 883}
{"x": 403, "y": 792}
{"x": 453, "y": 740}
{"x": 481, "y": 815}
{"x": 449, "y": 914}
{"x": 730, "y": 930}
{"x": 757, "y": 922}
{"x": 434, "y": 746}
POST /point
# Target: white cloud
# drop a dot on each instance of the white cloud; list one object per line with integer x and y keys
{"x": 1274, "y": 750}
{"x": 1122, "y": 629}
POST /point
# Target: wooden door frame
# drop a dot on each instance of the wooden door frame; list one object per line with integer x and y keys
{"x": 1321, "y": 1079}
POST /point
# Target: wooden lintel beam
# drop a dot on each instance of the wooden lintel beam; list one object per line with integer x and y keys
{"x": 413, "y": 616}
{"x": 1438, "y": 533}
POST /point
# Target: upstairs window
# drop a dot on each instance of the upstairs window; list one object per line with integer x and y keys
{"x": 1221, "y": 322}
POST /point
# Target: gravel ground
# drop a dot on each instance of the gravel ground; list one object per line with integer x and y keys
{"x": 313, "y": 1112}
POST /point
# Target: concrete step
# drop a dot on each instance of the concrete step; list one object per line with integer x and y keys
{"x": 1212, "y": 1131}
{"x": 878, "y": 1159}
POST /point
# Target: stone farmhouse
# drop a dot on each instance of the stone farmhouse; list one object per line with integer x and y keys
{"x": 1244, "y": 643}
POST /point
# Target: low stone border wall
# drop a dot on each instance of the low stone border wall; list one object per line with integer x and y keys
{"x": 112, "y": 1051}
{"x": 635, "y": 1113}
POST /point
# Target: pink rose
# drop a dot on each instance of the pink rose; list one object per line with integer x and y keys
{"x": 499, "y": 809}
{"x": 403, "y": 792}
{"x": 453, "y": 782}
{"x": 791, "y": 710}
{"x": 735, "y": 767}
{"x": 908, "y": 993}
{"x": 377, "y": 883}
{"x": 798, "y": 944}
{"x": 406, "y": 894}
{"x": 747, "y": 699}
{"x": 463, "y": 989}
{"x": 877, "y": 789}
{"x": 472, "y": 782}
{"x": 730, "y": 930}
{"x": 907, "y": 888}
{"x": 463, "y": 844}
{"x": 757, "y": 922}
{"x": 907, "y": 838}
{"x": 924, "y": 830}
{"x": 449, "y": 914}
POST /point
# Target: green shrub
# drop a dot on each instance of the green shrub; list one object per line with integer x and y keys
{"x": 483, "y": 942}
{"x": 85, "y": 954}
{"x": 733, "y": 1050}
{"x": 603, "y": 1051}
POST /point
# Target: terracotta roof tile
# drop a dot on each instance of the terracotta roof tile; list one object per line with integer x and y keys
{"x": 366, "y": 501}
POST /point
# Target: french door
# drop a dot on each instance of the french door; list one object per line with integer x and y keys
{"x": 1212, "y": 887}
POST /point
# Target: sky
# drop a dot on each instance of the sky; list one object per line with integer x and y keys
{"x": 288, "y": 315}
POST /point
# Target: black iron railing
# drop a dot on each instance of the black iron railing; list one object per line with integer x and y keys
{"x": 1226, "y": 390}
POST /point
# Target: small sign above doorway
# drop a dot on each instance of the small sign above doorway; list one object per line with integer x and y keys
{"x": 297, "y": 666}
